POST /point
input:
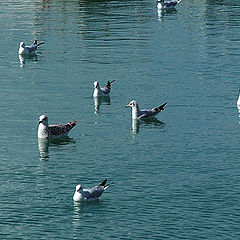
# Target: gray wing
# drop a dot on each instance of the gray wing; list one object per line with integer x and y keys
{"x": 170, "y": 3}
{"x": 105, "y": 90}
{"x": 94, "y": 192}
{"x": 151, "y": 113}
{"x": 31, "y": 48}
{"x": 148, "y": 113}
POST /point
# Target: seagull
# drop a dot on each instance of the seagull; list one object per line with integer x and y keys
{"x": 89, "y": 194}
{"x": 53, "y": 131}
{"x": 29, "y": 50}
{"x": 102, "y": 91}
{"x": 145, "y": 113}
{"x": 168, "y": 4}
{"x": 238, "y": 101}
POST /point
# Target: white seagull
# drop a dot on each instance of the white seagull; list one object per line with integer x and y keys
{"x": 162, "y": 4}
{"x": 53, "y": 131}
{"x": 89, "y": 194}
{"x": 102, "y": 91}
{"x": 29, "y": 50}
{"x": 145, "y": 113}
{"x": 238, "y": 101}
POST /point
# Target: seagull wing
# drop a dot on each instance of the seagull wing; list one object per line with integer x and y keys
{"x": 94, "y": 192}
{"x": 151, "y": 113}
{"x": 147, "y": 113}
{"x": 31, "y": 48}
{"x": 170, "y": 4}
{"x": 103, "y": 183}
{"x": 160, "y": 108}
{"x": 105, "y": 90}
{"x": 59, "y": 129}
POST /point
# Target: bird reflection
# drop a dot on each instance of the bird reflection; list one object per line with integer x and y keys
{"x": 82, "y": 208}
{"x": 238, "y": 102}
{"x": 161, "y": 12}
{"x": 44, "y": 144}
{"x": 135, "y": 126}
{"x": 23, "y": 58}
{"x": 238, "y": 105}
{"x": 101, "y": 100}
{"x": 148, "y": 122}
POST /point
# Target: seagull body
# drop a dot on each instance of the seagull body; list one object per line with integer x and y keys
{"x": 29, "y": 50}
{"x": 168, "y": 4}
{"x": 89, "y": 194}
{"x": 53, "y": 131}
{"x": 102, "y": 91}
{"x": 238, "y": 101}
{"x": 145, "y": 113}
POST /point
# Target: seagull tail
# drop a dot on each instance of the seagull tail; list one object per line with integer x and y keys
{"x": 70, "y": 125}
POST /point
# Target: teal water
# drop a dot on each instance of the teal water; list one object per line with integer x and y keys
{"x": 177, "y": 180}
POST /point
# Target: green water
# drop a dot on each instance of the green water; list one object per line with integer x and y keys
{"x": 177, "y": 180}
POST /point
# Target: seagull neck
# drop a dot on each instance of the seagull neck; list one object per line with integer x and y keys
{"x": 98, "y": 87}
{"x": 135, "y": 111}
{"x": 42, "y": 131}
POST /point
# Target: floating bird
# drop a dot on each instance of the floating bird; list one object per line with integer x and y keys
{"x": 145, "y": 113}
{"x": 29, "y": 50}
{"x": 238, "y": 101}
{"x": 102, "y": 91}
{"x": 89, "y": 194}
{"x": 53, "y": 131}
{"x": 168, "y": 4}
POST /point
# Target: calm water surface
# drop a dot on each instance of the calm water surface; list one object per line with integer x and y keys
{"x": 177, "y": 180}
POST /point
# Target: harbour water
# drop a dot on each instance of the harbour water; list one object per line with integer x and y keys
{"x": 173, "y": 178}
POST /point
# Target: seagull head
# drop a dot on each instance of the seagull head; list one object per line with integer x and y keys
{"x": 96, "y": 84}
{"x": 35, "y": 42}
{"x": 78, "y": 188}
{"x": 22, "y": 44}
{"x": 43, "y": 119}
{"x": 133, "y": 103}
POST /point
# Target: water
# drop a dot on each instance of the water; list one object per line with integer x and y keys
{"x": 177, "y": 180}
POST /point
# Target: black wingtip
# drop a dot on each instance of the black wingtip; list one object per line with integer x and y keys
{"x": 112, "y": 81}
{"x": 108, "y": 85}
{"x": 162, "y": 106}
{"x": 103, "y": 183}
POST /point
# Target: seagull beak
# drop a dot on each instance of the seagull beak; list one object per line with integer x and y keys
{"x": 127, "y": 106}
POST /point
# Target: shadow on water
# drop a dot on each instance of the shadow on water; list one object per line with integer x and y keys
{"x": 101, "y": 100}
{"x": 44, "y": 144}
{"x": 153, "y": 122}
